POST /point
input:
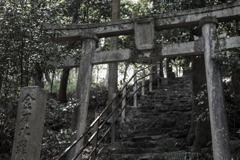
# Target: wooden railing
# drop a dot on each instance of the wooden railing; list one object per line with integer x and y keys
{"x": 117, "y": 111}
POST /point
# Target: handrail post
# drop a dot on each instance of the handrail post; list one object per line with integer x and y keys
{"x": 94, "y": 145}
{"x": 158, "y": 74}
{"x": 113, "y": 119}
{"x": 124, "y": 100}
{"x": 151, "y": 78}
{"x": 135, "y": 89}
{"x": 143, "y": 82}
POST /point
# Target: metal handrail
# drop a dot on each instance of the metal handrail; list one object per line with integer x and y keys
{"x": 106, "y": 119}
{"x": 119, "y": 114}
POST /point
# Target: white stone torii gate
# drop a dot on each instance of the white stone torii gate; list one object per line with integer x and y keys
{"x": 144, "y": 28}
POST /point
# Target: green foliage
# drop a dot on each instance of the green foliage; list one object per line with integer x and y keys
{"x": 72, "y": 80}
{"x": 7, "y": 125}
{"x": 229, "y": 60}
{"x": 201, "y": 98}
{"x": 53, "y": 85}
{"x": 26, "y": 48}
{"x": 230, "y": 28}
{"x": 57, "y": 134}
{"x": 160, "y": 6}
{"x": 95, "y": 11}
{"x": 233, "y": 110}
{"x": 127, "y": 41}
{"x": 230, "y": 63}
{"x": 99, "y": 74}
{"x": 91, "y": 11}
{"x": 235, "y": 148}
{"x": 96, "y": 86}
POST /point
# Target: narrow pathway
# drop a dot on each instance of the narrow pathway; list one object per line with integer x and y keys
{"x": 157, "y": 128}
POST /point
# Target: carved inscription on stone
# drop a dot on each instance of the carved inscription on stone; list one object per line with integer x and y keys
{"x": 21, "y": 147}
{"x": 24, "y": 129}
{"x": 29, "y": 124}
{"x": 144, "y": 34}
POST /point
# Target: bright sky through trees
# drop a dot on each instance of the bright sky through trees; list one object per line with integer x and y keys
{"x": 134, "y": 1}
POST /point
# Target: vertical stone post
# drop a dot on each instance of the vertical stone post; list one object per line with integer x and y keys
{"x": 94, "y": 145}
{"x": 29, "y": 125}
{"x": 113, "y": 130}
{"x": 83, "y": 90}
{"x": 135, "y": 89}
{"x": 124, "y": 100}
{"x": 150, "y": 79}
{"x": 113, "y": 67}
{"x": 218, "y": 119}
{"x": 112, "y": 81}
{"x": 143, "y": 82}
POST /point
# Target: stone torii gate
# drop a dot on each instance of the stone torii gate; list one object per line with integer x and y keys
{"x": 143, "y": 28}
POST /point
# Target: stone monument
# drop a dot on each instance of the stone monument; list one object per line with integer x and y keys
{"x": 29, "y": 124}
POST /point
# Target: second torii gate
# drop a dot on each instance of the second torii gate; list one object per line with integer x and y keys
{"x": 143, "y": 28}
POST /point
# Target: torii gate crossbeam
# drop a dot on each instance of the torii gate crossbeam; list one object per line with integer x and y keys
{"x": 170, "y": 50}
{"x": 186, "y": 18}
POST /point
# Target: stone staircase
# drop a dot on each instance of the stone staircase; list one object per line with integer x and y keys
{"x": 156, "y": 129}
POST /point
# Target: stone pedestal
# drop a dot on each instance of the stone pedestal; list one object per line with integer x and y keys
{"x": 29, "y": 125}
{"x": 219, "y": 126}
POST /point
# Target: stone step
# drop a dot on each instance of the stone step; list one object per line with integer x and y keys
{"x": 159, "y": 98}
{"x": 185, "y": 101}
{"x": 137, "y": 150}
{"x": 164, "y": 143}
{"x": 144, "y": 138}
{"x": 156, "y": 114}
{"x": 148, "y": 156}
{"x": 168, "y": 95}
{"x": 125, "y": 135}
{"x": 157, "y": 126}
{"x": 165, "y": 108}
{"x": 173, "y": 155}
{"x": 146, "y": 123}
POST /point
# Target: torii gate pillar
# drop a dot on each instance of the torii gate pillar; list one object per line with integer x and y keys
{"x": 218, "y": 119}
{"x": 89, "y": 43}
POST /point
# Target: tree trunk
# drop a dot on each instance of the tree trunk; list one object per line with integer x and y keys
{"x": 113, "y": 67}
{"x": 200, "y": 132}
{"x": 170, "y": 73}
{"x": 39, "y": 75}
{"x": 53, "y": 75}
{"x": 186, "y": 65}
{"x": 236, "y": 72}
{"x": 1, "y": 81}
{"x": 236, "y": 82}
{"x": 47, "y": 76}
{"x": 161, "y": 68}
{"x": 125, "y": 71}
{"x": 62, "y": 94}
{"x": 106, "y": 77}
{"x": 154, "y": 68}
